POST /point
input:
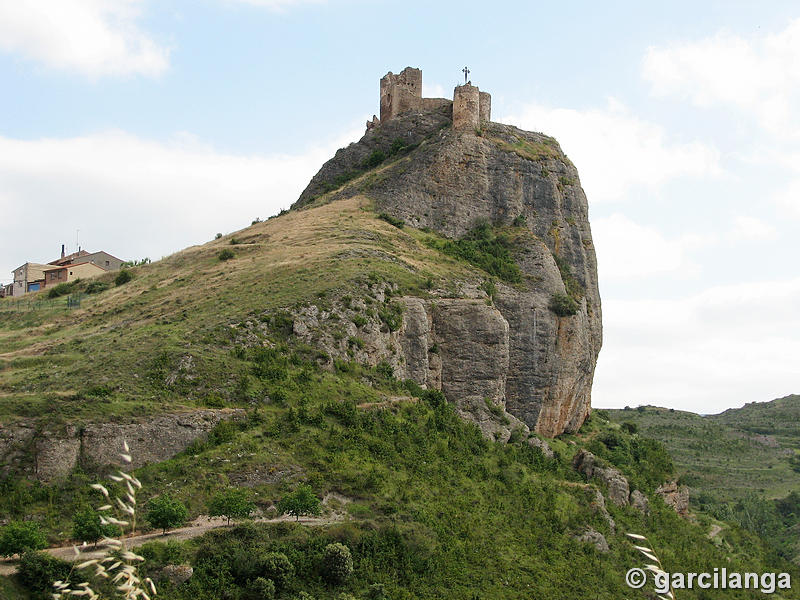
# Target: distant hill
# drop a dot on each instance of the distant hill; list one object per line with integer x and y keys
{"x": 729, "y": 455}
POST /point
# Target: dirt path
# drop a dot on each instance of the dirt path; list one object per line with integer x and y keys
{"x": 715, "y": 529}
{"x": 196, "y": 528}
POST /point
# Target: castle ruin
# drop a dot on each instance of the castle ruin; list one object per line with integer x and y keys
{"x": 403, "y": 92}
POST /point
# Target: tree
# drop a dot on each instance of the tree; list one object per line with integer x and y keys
{"x": 337, "y": 563}
{"x": 233, "y": 503}
{"x": 37, "y": 571}
{"x": 165, "y": 512}
{"x": 277, "y": 567}
{"x": 86, "y": 526}
{"x": 19, "y": 536}
{"x": 263, "y": 589}
{"x": 302, "y": 501}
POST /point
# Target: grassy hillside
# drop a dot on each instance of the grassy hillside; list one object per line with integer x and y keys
{"x": 741, "y": 464}
{"x": 734, "y": 453}
{"x": 113, "y": 356}
{"x": 428, "y": 507}
{"x": 717, "y": 456}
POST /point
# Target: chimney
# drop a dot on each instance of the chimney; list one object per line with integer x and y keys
{"x": 62, "y": 250}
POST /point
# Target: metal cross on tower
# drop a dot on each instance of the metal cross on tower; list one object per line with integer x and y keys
{"x": 465, "y": 70}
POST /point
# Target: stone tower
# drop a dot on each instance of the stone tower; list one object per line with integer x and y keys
{"x": 401, "y": 92}
{"x": 470, "y": 107}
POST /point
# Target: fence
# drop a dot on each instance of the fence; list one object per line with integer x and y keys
{"x": 33, "y": 304}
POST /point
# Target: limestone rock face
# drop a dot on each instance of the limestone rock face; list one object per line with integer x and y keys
{"x": 457, "y": 345}
{"x": 594, "y": 537}
{"x": 50, "y": 454}
{"x": 176, "y": 574}
{"x": 675, "y": 496}
{"x": 640, "y": 502}
{"x": 448, "y": 183}
{"x": 618, "y": 488}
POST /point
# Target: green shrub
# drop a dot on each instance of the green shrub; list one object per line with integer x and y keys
{"x": 520, "y": 221}
{"x": 571, "y": 283}
{"x": 277, "y": 567}
{"x": 262, "y": 588}
{"x": 374, "y": 159}
{"x": 232, "y": 503}
{"x": 20, "y": 536}
{"x": 38, "y": 571}
{"x": 392, "y": 315}
{"x": 563, "y": 305}
{"x": 226, "y": 254}
{"x": 629, "y": 427}
{"x": 359, "y": 320}
{"x": 95, "y": 287}
{"x": 486, "y": 249}
{"x": 165, "y": 512}
{"x": 337, "y": 563}
{"x": 399, "y": 145}
{"x": 217, "y": 236}
{"x": 490, "y": 288}
{"x": 62, "y": 289}
{"x": 377, "y": 591}
{"x": 86, "y": 526}
{"x": 399, "y": 223}
{"x": 385, "y": 369}
{"x": 356, "y": 342}
{"x": 123, "y": 277}
{"x": 300, "y": 502}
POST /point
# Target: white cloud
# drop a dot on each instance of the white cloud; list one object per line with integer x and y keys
{"x": 628, "y": 250}
{"x": 93, "y": 37}
{"x": 789, "y": 198}
{"x": 756, "y": 74}
{"x": 135, "y": 197}
{"x": 724, "y": 346}
{"x": 750, "y": 228}
{"x": 616, "y": 151}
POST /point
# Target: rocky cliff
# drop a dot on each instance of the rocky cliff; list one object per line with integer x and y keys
{"x": 48, "y": 454}
{"x": 530, "y": 350}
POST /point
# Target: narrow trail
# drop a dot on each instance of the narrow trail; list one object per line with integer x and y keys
{"x": 715, "y": 530}
{"x": 196, "y": 528}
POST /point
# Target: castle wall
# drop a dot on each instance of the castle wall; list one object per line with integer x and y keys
{"x": 485, "y": 108}
{"x": 401, "y": 92}
{"x": 466, "y": 107}
{"x": 434, "y": 103}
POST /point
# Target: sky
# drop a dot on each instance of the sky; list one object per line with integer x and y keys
{"x": 141, "y": 127}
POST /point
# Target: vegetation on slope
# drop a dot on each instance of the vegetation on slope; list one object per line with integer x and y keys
{"x": 427, "y": 506}
{"x": 120, "y": 353}
{"x": 741, "y": 465}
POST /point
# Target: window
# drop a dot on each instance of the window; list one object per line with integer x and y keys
{"x": 107, "y": 263}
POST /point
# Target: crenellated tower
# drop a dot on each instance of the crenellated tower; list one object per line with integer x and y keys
{"x": 402, "y": 92}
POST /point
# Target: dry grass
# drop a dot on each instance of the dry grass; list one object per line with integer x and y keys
{"x": 185, "y": 303}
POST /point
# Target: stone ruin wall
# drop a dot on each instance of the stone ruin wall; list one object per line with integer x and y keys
{"x": 402, "y": 92}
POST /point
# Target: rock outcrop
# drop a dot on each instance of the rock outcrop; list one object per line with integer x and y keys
{"x": 48, "y": 454}
{"x": 593, "y": 537}
{"x": 618, "y": 488}
{"x": 176, "y": 574}
{"x": 640, "y": 502}
{"x": 675, "y": 496}
{"x": 457, "y": 345}
{"x": 544, "y": 363}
